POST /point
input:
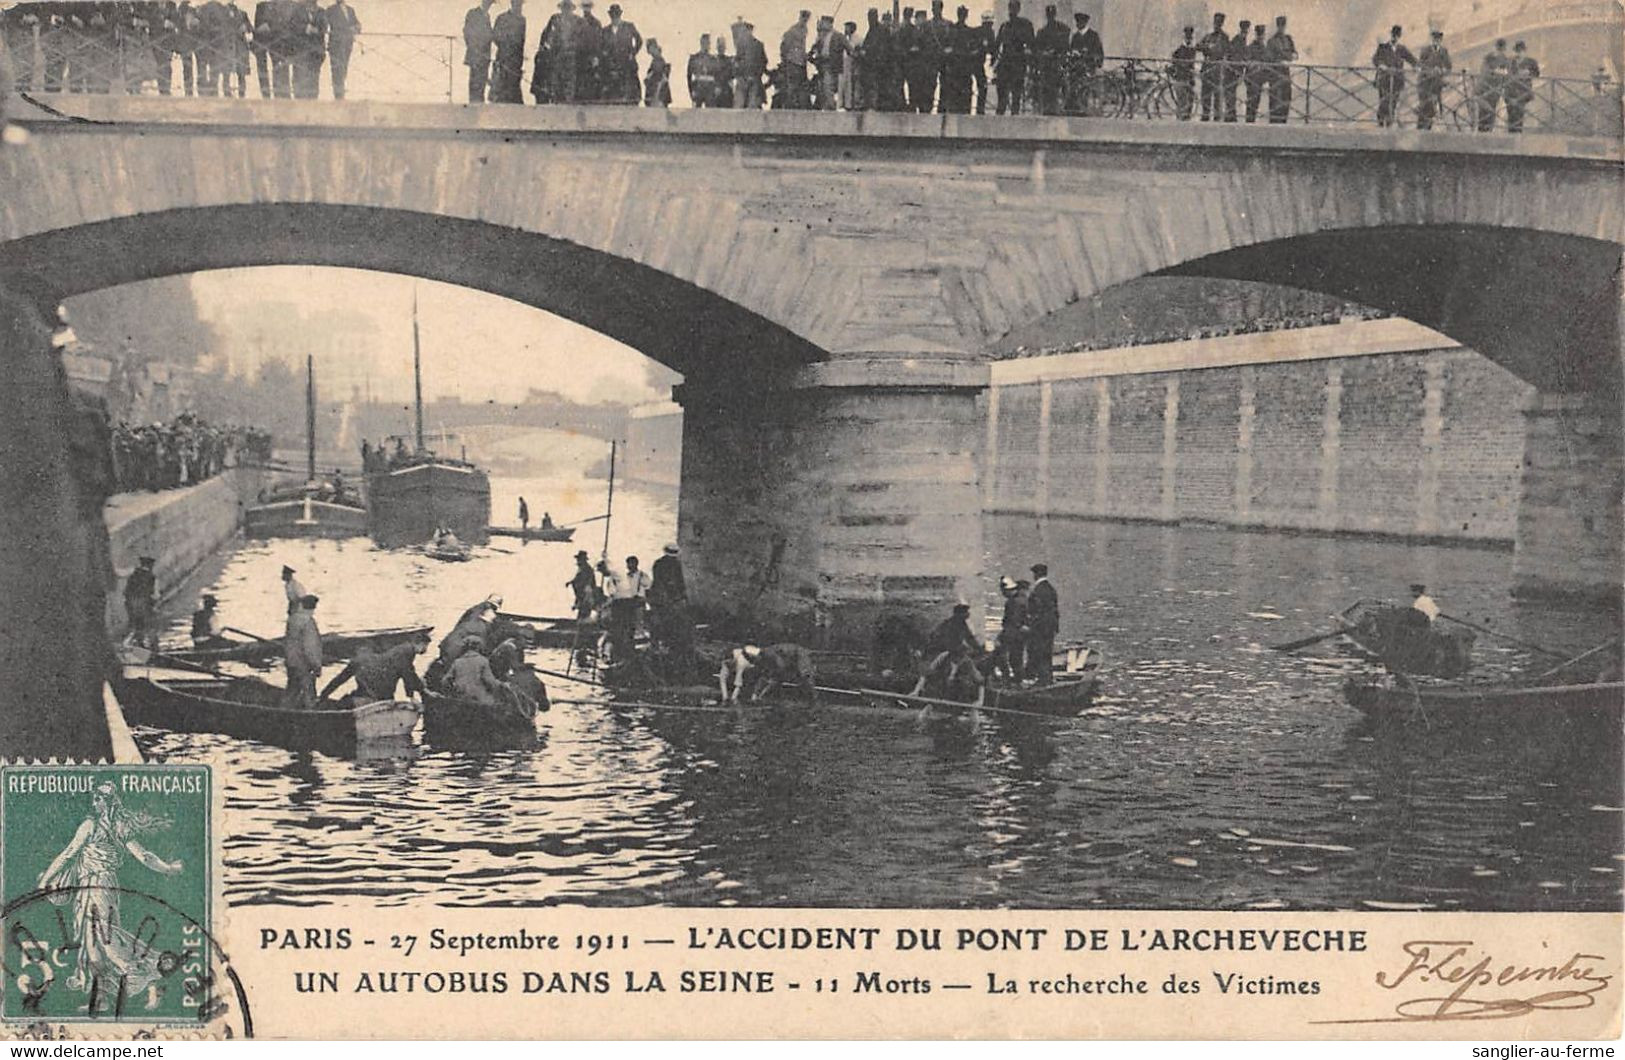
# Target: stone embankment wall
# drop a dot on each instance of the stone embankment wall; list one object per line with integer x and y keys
{"x": 1377, "y": 427}
{"x": 179, "y": 528}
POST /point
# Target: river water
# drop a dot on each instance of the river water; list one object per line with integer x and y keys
{"x": 1212, "y": 774}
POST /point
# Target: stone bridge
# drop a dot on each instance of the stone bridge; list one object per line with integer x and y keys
{"x": 832, "y": 286}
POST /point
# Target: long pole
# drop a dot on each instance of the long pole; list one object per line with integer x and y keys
{"x": 609, "y": 507}
{"x": 310, "y": 418}
{"x": 417, "y": 369}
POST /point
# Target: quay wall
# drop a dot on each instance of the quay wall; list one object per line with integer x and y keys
{"x": 1374, "y": 426}
{"x": 179, "y": 528}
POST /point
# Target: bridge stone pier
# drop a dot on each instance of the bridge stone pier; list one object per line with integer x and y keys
{"x": 832, "y": 286}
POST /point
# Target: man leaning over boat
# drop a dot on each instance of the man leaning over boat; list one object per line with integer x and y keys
{"x": 377, "y": 672}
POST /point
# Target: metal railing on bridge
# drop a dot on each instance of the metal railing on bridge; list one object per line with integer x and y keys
{"x": 406, "y": 67}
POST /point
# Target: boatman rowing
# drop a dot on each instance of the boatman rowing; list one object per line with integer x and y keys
{"x": 378, "y": 671}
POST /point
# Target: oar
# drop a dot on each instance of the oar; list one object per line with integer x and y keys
{"x": 1604, "y": 646}
{"x": 181, "y": 664}
{"x": 514, "y": 616}
{"x": 1503, "y": 636}
{"x": 568, "y": 677}
{"x": 256, "y": 636}
{"x": 1306, "y": 641}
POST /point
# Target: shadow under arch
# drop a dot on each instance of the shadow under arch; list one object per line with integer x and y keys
{"x": 679, "y": 324}
{"x": 1543, "y": 305}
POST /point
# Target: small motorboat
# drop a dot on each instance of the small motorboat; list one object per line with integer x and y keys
{"x": 452, "y": 723}
{"x": 336, "y": 647}
{"x": 251, "y": 709}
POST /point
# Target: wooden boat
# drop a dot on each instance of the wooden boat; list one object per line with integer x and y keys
{"x": 1509, "y": 704}
{"x": 411, "y": 498}
{"x": 535, "y": 533}
{"x": 336, "y": 647}
{"x": 304, "y": 511}
{"x": 448, "y": 553}
{"x": 1404, "y": 641}
{"x": 305, "y": 517}
{"x": 452, "y": 723}
{"x": 251, "y": 709}
{"x": 1068, "y": 696}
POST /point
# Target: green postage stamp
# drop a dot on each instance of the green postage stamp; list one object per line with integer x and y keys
{"x": 107, "y": 882}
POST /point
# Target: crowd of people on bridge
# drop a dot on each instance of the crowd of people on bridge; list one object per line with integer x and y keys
{"x": 78, "y": 46}
{"x": 921, "y": 61}
{"x": 183, "y": 452}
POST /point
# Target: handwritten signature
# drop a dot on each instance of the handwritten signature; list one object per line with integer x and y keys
{"x": 1463, "y": 981}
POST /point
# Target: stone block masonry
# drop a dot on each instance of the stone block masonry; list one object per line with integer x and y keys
{"x": 179, "y": 528}
{"x": 1369, "y": 427}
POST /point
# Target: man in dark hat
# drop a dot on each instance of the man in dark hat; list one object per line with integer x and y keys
{"x": 1390, "y": 59}
{"x": 1281, "y": 51}
{"x": 1043, "y": 624}
{"x": 1493, "y": 74}
{"x": 1215, "y": 48}
{"x": 952, "y": 650}
{"x": 1433, "y": 66}
{"x": 1235, "y": 66}
{"x": 620, "y": 43}
{"x": 1182, "y": 72}
{"x": 584, "y": 584}
{"x": 291, "y": 587}
{"x": 1013, "y": 46}
{"x": 302, "y": 653}
{"x": 141, "y": 604}
{"x": 206, "y": 631}
{"x": 1520, "y": 86}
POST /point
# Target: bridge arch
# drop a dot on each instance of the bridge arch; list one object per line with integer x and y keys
{"x": 685, "y": 327}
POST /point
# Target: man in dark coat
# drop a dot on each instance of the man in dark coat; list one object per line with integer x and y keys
{"x": 508, "y": 33}
{"x": 477, "y": 42}
{"x": 309, "y": 33}
{"x": 343, "y": 27}
{"x": 589, "y": 56}
{"x": 1281, "y": 52}
{"x": 952, "y": 650}
{"x": 141, "y": 604}
{"x": 1235, "y": 67}
{"x": 621, "y": 43}
{"x": 1182, "y": 72}
{"x": 1215, "y": 49}
{"x": 1043, "y": 624}
{"x": 1013, "y": 50}
{"x": 1390, "y": 59}
{"x": 553, "y": 77}
{"x": 1433, "y": 65}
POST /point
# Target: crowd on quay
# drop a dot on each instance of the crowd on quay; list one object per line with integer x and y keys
{"x": 1252, "y": 326}
{"x": 216, "y": 45}
{"x": 183, "y": 452}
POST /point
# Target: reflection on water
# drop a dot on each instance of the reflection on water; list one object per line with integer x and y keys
{"x": 1213, "y": 774}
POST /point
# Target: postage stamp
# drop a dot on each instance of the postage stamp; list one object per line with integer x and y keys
{"x": 106, "y": 876}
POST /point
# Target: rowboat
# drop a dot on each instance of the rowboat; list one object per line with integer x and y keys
{"x": 535, "y": 533}
{"x": 1068, "y": 696}
{"x": 456, "y": 724}
{"x": 1510, "y": 704}
{"x": 448, "y": 553}
{"x": 251, "y": 709}
{"x": 1404, "y": 641}
{"x": 336, "y": 647}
